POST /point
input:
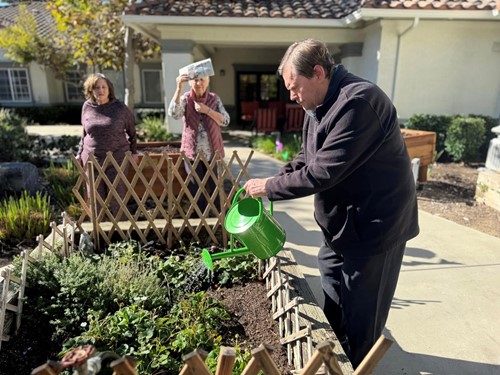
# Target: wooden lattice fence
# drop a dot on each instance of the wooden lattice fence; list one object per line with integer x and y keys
{"x": 157, "y": 203}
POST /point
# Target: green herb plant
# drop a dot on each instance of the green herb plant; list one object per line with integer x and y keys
{"x": 153, "y": 129}
{"x": 62, "y": 180}
{"x": 25, "y": 217}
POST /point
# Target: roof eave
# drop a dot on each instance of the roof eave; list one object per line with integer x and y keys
{"x": 231, "y": 21}
{"x": 371, "y": 13}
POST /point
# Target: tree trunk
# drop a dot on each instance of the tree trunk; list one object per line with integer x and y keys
{"x": 129, "y": 69}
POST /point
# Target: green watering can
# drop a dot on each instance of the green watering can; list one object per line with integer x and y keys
{"x": 255, "y": 227}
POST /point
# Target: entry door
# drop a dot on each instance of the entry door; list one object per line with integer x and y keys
{"x": 258, "y": 86}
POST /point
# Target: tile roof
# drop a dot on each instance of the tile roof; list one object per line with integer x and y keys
{"x": 46, "y": 25}
{"x": 433, "y": 4}
{"x": 326, "y": 9}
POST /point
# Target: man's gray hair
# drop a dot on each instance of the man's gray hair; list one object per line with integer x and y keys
{"x": 303, "y": 56}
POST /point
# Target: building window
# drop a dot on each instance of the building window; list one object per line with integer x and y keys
{"x": 73, "y": 86}
{"x": 14, "y": 85}
{"x": 152, "y": 86}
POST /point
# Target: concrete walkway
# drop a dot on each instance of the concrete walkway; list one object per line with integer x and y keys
{"x": 445, "y": 317}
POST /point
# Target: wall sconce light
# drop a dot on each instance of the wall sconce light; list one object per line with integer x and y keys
{"x": 222, "y": 72}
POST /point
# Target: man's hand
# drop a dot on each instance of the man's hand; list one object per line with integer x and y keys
{"x": 256, "y": 187}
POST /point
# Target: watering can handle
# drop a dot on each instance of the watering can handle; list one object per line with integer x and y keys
{"x": 241, "y": 190}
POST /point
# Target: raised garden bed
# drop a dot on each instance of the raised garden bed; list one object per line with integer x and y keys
{"x": 420, "y": 144}
{"x": 290, "y": 310}
{"x": 157, "y": 151}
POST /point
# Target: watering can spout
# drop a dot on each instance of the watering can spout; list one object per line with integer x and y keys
{"x": 208, "y": 259}
{"x": 254, "y": 227}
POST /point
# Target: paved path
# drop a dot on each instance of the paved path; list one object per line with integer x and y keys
{"x": 445, "y": 317}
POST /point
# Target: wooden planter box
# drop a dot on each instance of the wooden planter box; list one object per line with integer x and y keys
{"x": 420, "y": 144}
{"x": 148, "y": 172}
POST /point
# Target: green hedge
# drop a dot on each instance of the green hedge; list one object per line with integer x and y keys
{"x": 464, "y": 145}
{"x": 464, "y": 138}
{"x": 51, "y": 115}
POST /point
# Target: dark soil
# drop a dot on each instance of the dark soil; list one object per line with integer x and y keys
{"x": 449, "y": 193}
{"x": 251, "y": 309}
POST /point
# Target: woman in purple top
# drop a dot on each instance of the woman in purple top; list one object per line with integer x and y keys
{"x": 108, "y": 125}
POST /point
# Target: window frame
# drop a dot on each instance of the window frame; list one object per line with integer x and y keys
{"x": 12, "y": 85}
{"x": 143, "y": 85}
{"x": 80, "y": 98}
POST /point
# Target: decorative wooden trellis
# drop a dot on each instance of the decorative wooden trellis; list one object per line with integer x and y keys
{"x": 166, "y": 216}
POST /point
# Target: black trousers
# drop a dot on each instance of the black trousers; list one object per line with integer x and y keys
{"x": 358, "y": 294}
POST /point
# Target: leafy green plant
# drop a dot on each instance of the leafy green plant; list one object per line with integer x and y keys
{"x": 61, "y": 181}
{"x": 228, "y": 271}
{"x": 25, "y": 217}
{"x": 14, "y": 141}
{"x": 464, "y": 138}
{"x": 265, "y": 143}
{"x": 156, "y": 340}
{"x": 133, "y": 331}
{"x": 288, "y": 147}
{"x": 198, "y": 319}
{"x": 44, "y": 151}
{"x": 241, "y": 358}
{"x": 153, "y": 129}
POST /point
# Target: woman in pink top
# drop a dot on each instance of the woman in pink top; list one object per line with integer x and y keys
{"x": 108, "y": 125}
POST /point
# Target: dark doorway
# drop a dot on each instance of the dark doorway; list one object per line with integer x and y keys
{"x": 257, "y": 83}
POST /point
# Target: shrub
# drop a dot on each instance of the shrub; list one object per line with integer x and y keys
{"x": 142, "y": 113}
{"x": 489, "y": 123}
{"x": 61, "y": 181}
{"x": 265, "y": 144}
{"x": 286, "y": 148}
{"x": 25, "y": 217}
{"x": 153, "y": 129}
{"x": 44, "y": 150}
{"x": 464, "y": 138}
{"x": 433, "y": 123}
{"x": 50, "y": 115}
{"x": 14, "y": 140}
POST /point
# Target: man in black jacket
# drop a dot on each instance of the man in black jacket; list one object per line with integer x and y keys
{"x": 354, "y": 160}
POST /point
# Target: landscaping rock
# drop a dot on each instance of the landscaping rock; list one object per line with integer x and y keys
{"x": 16, "y": 177}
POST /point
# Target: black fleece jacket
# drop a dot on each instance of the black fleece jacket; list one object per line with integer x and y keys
{"x": 354, "y": 160}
